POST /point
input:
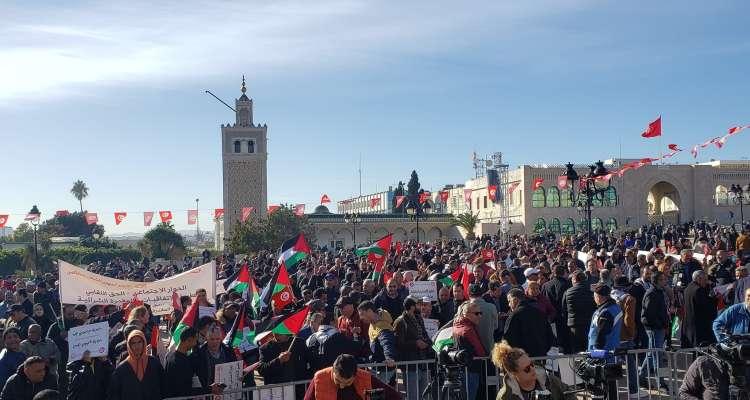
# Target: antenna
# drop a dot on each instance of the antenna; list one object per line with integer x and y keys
{"x": 360, "y": 174}
{"x": 220, "y": 100}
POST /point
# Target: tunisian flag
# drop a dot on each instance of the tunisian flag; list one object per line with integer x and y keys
{"x": 562, "y": 182}
{"x": 492, "y": 191}
{"x": 218, "y": 213}
{"x": 374, "y": 202}
{"x": 147, "y": 217}
{"x": 246, "y": 212}
{"x": 325, "y": 199}
{"x": 192, "y": 217}
{"x": 3, "y": 220}
{"x": 299, "y": 210}
{"x": 512, "y": 187}
{"x": 91, "y": 218}
{"x": 653, "y": 130}
{"x": 165, "y": 216}
{"x": 537, "y": 183}
{"x": 444, "y": 196}
{"x": 273, "y": 208}
{"x": 399, "y": 200}
{"x": 119, "y": 217}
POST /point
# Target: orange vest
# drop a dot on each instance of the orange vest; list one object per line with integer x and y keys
{"x": 325, "y": 389}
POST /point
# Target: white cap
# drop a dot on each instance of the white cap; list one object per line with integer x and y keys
{"x": 530, "y": 271}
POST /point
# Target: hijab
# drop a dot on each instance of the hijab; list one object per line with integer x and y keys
{"x": 137, "y": 362}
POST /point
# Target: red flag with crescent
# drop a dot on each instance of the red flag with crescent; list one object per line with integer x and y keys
{"x": 374, "y": 202}
{"x": 537, "y": 183}
{"x": 272, "y": 208}
{"x": 299, "y": 210}
{"x": 119, "y": 217}
{"x": 192, "y": 217}
{"x": 653, "y": 130}
{"x": 399, "y": 200}
{"x": 467, "y": 196}
{"x": 325, "y": 199}
{"x": 218, "y": 213}
{"x": 91, "y": 218}
{"x": 3, "y": 220}
{"x": 165, "y": 216}
{"x": 562, "y": 182}
{"x": 512, "y": 187}
{"x": 147, "y": 217}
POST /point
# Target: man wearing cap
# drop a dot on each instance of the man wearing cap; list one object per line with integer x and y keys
{"x": 606, "y": 322}
{"x": 19, "y": 319}
{"x": 531, "y": 274}
{"x": 620, "y": 294}
{"x": 578, "y": 306}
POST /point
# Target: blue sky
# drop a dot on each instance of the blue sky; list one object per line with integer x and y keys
{"x": 113, "y": 94}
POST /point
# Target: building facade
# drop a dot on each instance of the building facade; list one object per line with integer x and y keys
{"x": 375, "y": 203}
{"x": 668, "y": 193}
{"x": 244, "y": 160}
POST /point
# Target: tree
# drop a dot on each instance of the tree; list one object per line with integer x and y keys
{"x": 466, "y": 221}
{"x": 23, "y": 233}
{"x": 163, "y": 242}
{"x": 70, "y": 225}
{"x": 268, "y": 234}
{"x": 80, "y": 192}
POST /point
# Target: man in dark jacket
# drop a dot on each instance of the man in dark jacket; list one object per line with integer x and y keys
{"x": 687, "y": 266}
{"x": 31, "y": 378}
{"x": 445, "y": 307}
{"x": 706, "y": 379}
{"x": 527, "y": 327}
{"x": 700, "y": 312}
{"x": 655, "y": 319}
{"x": 411, "y": 346}
{"x": 284, "y": 360}
{"x": 389, "y": 299}
{"x": 638, "y": 290}
{"x": 89, "y": 378}
{"x": 577, "y": 307}
{"x": 555, "y": 289}
{"x": 19, "y": 319}
{"x": 210, "y": 354}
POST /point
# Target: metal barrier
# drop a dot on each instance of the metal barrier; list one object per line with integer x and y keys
{"x": 424, "y": 379}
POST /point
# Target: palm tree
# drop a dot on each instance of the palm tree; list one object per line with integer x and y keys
{"x": 466, "y": 221}
{"x": 80, "y": 192}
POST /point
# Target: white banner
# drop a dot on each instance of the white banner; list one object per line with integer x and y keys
{"x": 78, "y": 286}
{"x": 431, "y": 326}
{"x": 93, "y": 338}
{"x": 421, "y": 289}
{"x": 229, "y": 374}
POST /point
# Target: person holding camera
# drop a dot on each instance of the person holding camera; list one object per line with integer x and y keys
{"x": 734, "y": 320}
{"x": 521, "y": 379}
{"x": 345, "y": 381}
{"x": 706, "y": 379}
{"x": 466, "y": 337}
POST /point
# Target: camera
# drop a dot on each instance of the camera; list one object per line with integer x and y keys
{"x": 736, "y": 354}
{"x": 599, "y": 372}
{"x": 450, "y": 358}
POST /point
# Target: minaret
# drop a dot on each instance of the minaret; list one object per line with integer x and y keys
{"x": 244, "y": 162}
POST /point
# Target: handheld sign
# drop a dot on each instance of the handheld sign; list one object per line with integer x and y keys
{"x": 421, "y": 289}
{"x": 93, "y": 338}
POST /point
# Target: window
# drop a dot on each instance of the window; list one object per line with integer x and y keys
{"x": 722, "y": 196}
{"x": 610, "y": 197}
{"x": 537, "y": 198}
{"x": 539, "y": 225}
{"x": 568, "y": 227}
{"x": 596, "y": 224}
{"x": 582, "y": 225}
{"x": 611, "y": 224}
{"x": 477, "y": 203}
{"x": 251, "y": 146}
{"x": 485, "y": 201}
{"x": 565, "y": 198}
{"x": 237, "y": 146}
{"x": 598, "y": 200}
{"x": 554, "y": 225}
{"x": 553, "y": 197}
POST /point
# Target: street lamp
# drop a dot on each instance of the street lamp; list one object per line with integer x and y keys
{"x": 35, "y": 223}
{"x": 415, "y": 211}
{"x": 592, "y": 185}
{"x": 353, "y": 219}
{"x": 739, "y": 193}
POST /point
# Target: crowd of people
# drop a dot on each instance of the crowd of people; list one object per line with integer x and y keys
{"x": 519, "y": 297}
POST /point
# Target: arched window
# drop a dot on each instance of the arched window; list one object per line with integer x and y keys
{"x": 598, "y": 200}
{"x": 554, "y": 225}
{"x": 610, "y": 197}
{"x": 611, "y": 224}
{"x": 237, "y": 146}
{"x": 537, "y": 198}
{"x": 722, "y": 196}
{"x": 596, "y": 224}
{"x": 251, "y": 146}
{"x": 565, "y": 198}
{"x": 568, "y": 227}
{"x": 553, "y": 197}
{"x": 582, "y": 225}
{"x": 539, "y": 225}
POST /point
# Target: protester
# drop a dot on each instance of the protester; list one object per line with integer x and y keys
{"x": 578, "y": 308}
{"x": 20, "y": 319}
{"x": 344, "y": 381}
{"x": 521, "y": 378}
{"x": 527, "y": 327}
{"x": 139, "y": 376}
{"x": 31, "y": 378}
{"x": 89, "y": 378}
{"x": 700, "y": 312}
{"x": 467, "y": 338}
{"x": 655, "y": 319}
{"x": 36, "y": 345}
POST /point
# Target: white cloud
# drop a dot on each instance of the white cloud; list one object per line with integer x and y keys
{"x": 77, "y": 50}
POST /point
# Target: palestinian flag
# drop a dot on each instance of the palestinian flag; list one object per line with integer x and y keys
{"x": 444, "y": 337}
{"x": 289, "y": 324}
{"x": 278, "y": 290}
{"x": 377, "y": 252}
{"x": 293, "y": 251}
{"x": 188, "y": 320}
{"x": 452, "y": 278}
{"x": 242, "y": 282}
{"x": 242, "y": 335}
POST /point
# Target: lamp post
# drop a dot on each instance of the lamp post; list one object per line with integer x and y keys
{"x": 353, "y": 219}
{"x": 197, "y": 222}
{"x": 415, "y": 211}
{"x": 35, "y": 223}
{"x": 739, "y": 193}
{"x": 592, "y": 185}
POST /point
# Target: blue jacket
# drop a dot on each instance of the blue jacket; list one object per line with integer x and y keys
{"x": 606, "y": 324}
{"x": 9, "y": 362}
{"x": 733, "y": 320}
